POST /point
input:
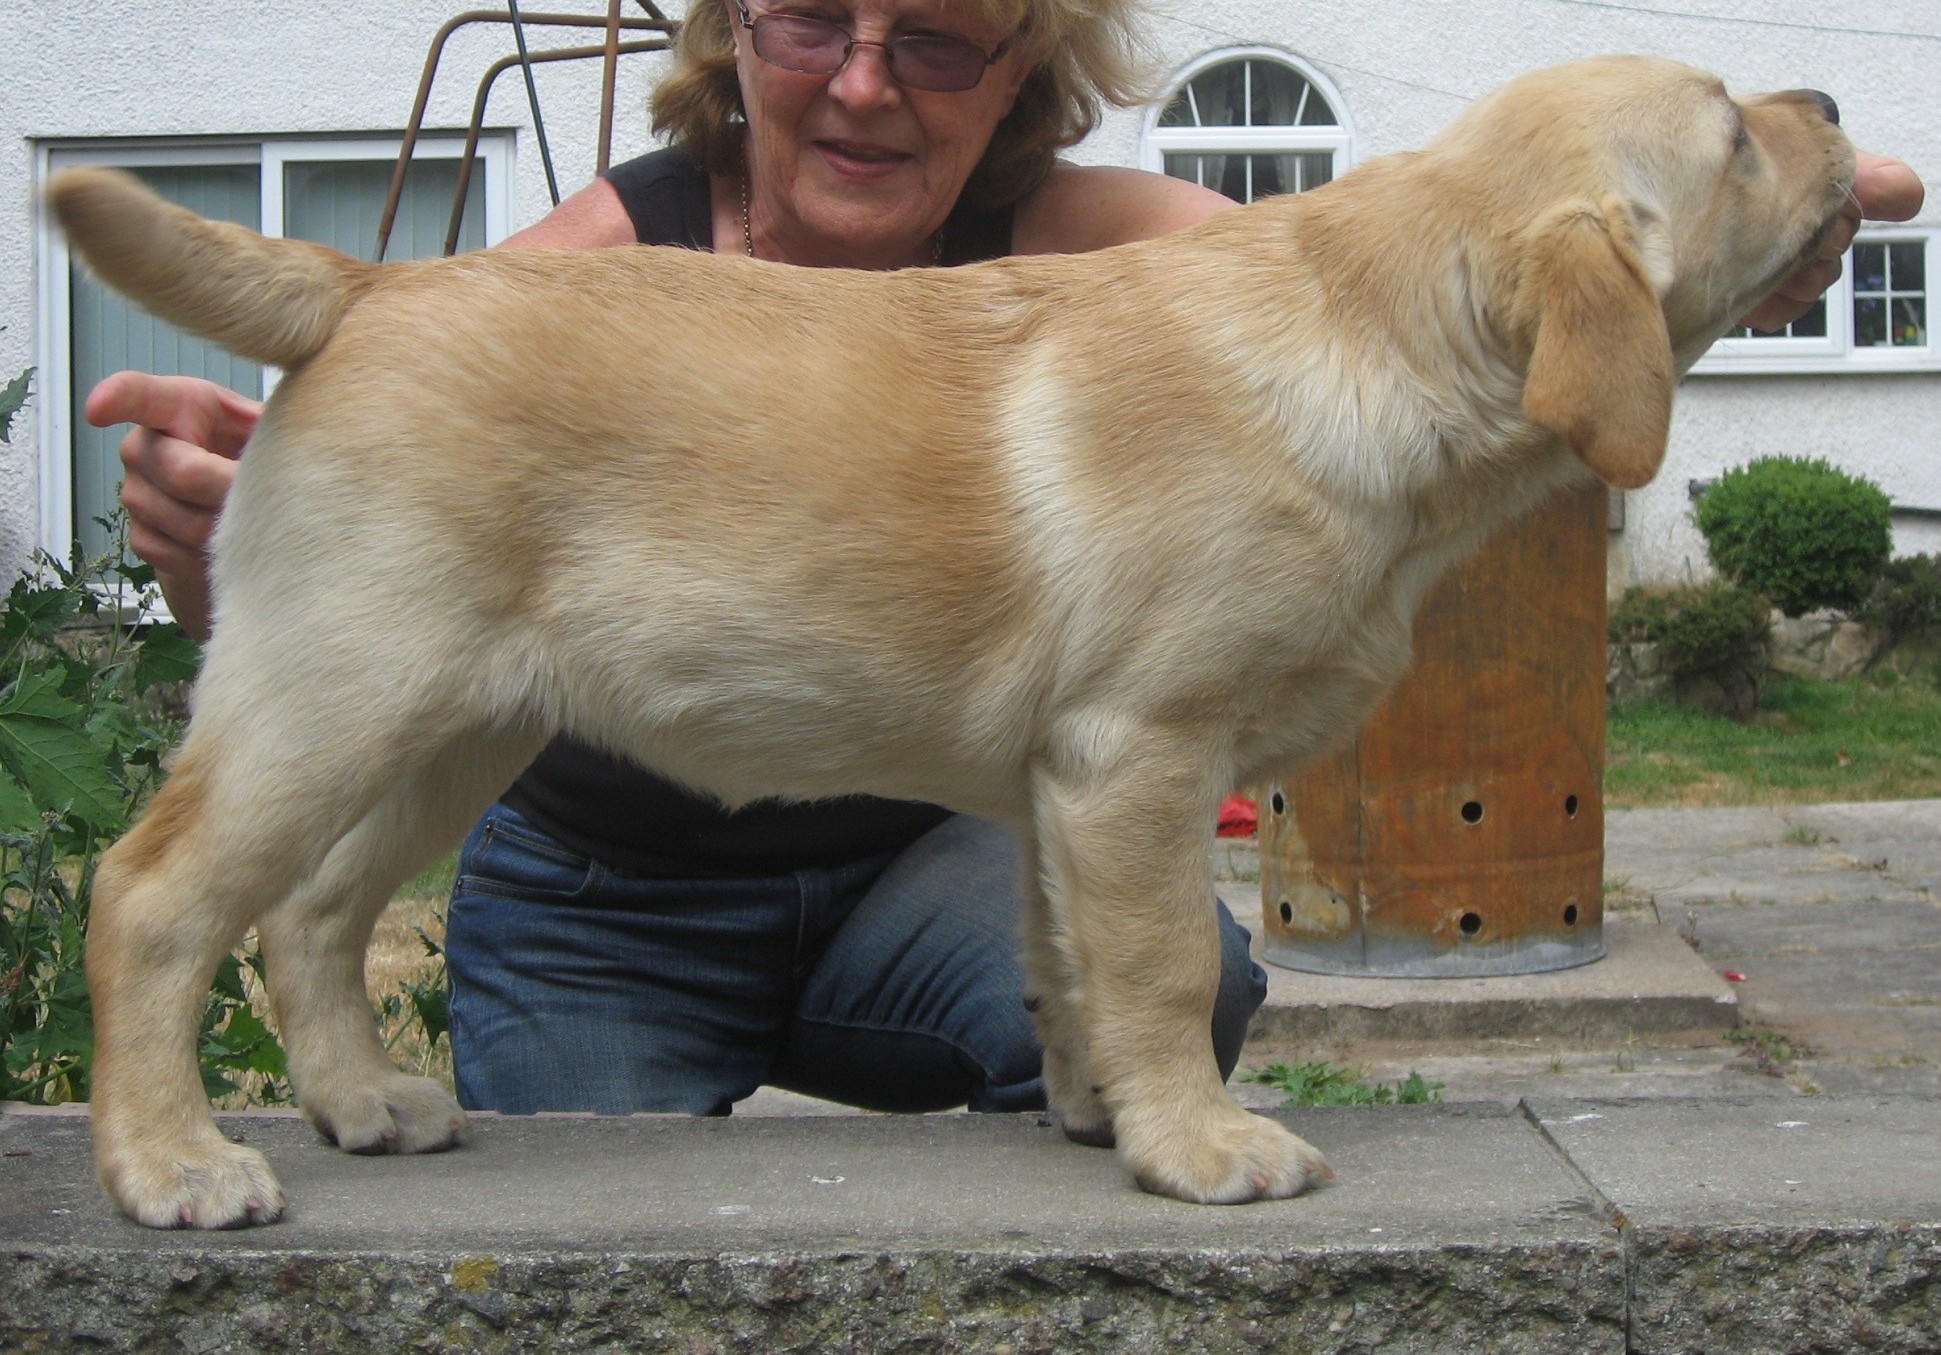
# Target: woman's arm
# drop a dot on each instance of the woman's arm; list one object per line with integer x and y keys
{"x": 1085, "y": 207}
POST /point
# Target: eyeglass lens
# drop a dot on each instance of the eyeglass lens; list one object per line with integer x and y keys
{"x": 817, "y": 47}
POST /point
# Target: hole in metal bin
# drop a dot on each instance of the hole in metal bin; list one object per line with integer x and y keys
{"x": 1279, "y": 803}
{"x": 1570, "y": 915}
{"x": 1471, "y": 923}
{"x": 1570, "y": 806}
{"x": 1472, "y": 812}
{"x": 1287, "y": 911}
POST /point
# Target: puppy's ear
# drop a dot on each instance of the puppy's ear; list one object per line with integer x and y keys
{"x": 1601, "y": 370}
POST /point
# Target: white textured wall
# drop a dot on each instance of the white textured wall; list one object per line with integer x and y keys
{"x": 1404, "y": 67}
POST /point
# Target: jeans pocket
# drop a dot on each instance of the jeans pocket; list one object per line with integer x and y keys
{"x": 508, "y": 858}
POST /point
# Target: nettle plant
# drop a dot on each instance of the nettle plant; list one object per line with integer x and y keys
{"x": 85, "y": 721}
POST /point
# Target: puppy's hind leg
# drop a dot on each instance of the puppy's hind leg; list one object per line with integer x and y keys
{"x": 230, "y": 829}
{"x": 266, "y": 783}
{"x": 315, "y": 943}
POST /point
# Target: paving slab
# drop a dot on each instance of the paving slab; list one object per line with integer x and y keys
{"x": 1674, "y": 862}
{"x": 1450, "y": 1228}
{"x": 1757, "y": 1226}
{"x": 1889, "y": 850}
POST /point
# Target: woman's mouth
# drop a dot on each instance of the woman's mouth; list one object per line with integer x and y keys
{"x": 860, "y": 159}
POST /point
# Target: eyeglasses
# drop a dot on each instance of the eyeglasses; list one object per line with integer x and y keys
{"x": 810, "y": 46}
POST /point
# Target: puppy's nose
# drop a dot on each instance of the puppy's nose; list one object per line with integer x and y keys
{"x": 1827, "y": 106}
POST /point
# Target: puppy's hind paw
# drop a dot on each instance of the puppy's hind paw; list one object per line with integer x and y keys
{"x": 398, "y": 1114}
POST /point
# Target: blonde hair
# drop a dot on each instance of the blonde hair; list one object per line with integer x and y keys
{"x": 1082, "y": 54}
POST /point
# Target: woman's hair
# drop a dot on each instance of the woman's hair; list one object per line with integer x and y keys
{"x": 1082, "y": 54}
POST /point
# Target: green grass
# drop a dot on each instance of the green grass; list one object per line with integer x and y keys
{"x": 1858, "y": 739}
{"x": 1323, "y": 1084}
{"x": 434, "y": 881}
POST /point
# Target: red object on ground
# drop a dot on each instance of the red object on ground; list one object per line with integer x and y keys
{"x": 1732, "y": 976}
{"x": 1238, "y": 817}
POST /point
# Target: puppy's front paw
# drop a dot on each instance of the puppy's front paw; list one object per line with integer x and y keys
{"x": 1091, "y": 1128}
{"x": 397, "y": 1114}
{"x": 206, "y": 1184}
{"x": 1235, "y": 1159}
{"x": 1079, "y": 1106}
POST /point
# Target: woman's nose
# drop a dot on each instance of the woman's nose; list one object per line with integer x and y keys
{"x": 864, "y": 80}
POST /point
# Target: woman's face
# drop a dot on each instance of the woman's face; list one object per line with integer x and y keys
{"x": 854, "y": 169}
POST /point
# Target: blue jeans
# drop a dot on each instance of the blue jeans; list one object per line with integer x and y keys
{"x": 892, "y": 984}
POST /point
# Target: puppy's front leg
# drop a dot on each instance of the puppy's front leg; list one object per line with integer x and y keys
{"x": 1053, "y": 996}
{"x": 1127, "y": 854}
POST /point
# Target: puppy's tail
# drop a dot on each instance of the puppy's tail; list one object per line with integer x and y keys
{"x": 276, "y": 301}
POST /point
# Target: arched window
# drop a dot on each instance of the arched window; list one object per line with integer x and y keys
{"x": 1250, "y": 123}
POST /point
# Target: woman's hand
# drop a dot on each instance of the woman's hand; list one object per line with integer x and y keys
{"x": 180, "y": 459}
{"x": 1883, "y": 190}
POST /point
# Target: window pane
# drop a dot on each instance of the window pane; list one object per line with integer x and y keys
{"x": 1278, "y": 95}
{"x": 1911, "y": 321}
{"x": 1219, "y": 95}
{"x": 1183, "y": 111}
{"x": 1869, "y": 322}
{"x": 341, "y": 203}
{"x": 1811, "y": 325}
{"x": 1204, "y": 170}
{"x": 1869, "y": 267}
{"x": 1908, "y": 264}
{"x": 1246, "y": 93}
{"x": 108, "y": 334}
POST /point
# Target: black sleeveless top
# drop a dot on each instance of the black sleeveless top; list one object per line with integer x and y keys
{"x": 626, "y": 817}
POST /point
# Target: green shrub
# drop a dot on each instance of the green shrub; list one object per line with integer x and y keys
{"x": 1698, "y": 628}
{"x": 1802, "y": 532}
{"x": 1907, "y": 599}
{"x": 82, "y": 738}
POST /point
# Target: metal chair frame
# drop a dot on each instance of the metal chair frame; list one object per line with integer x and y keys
{"x": 609, "y": 51}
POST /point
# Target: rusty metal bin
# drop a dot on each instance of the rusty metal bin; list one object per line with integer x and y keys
{"x": 1462, "y": 833}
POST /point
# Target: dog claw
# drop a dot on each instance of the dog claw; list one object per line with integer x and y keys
{"x": 1098, "y": 1135}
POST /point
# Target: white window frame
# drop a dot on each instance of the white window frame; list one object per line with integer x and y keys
{"x": 1156, "y": 142}
{"x": 1778, "y": 355}
{"x": 53, "y": 394}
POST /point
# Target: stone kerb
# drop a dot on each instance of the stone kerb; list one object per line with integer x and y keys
{"x": 1826, "y": 646}
{"x": 1752, "y": 1225}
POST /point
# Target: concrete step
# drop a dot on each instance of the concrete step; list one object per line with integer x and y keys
{"x": 1744, "y": 1225}
{"x": 1648, "y": 983}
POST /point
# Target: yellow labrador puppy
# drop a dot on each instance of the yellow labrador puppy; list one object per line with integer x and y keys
{"x": 1076, "y": 543}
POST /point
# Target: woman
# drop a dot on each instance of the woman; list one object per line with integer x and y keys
{"x": 615, "y": 944}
